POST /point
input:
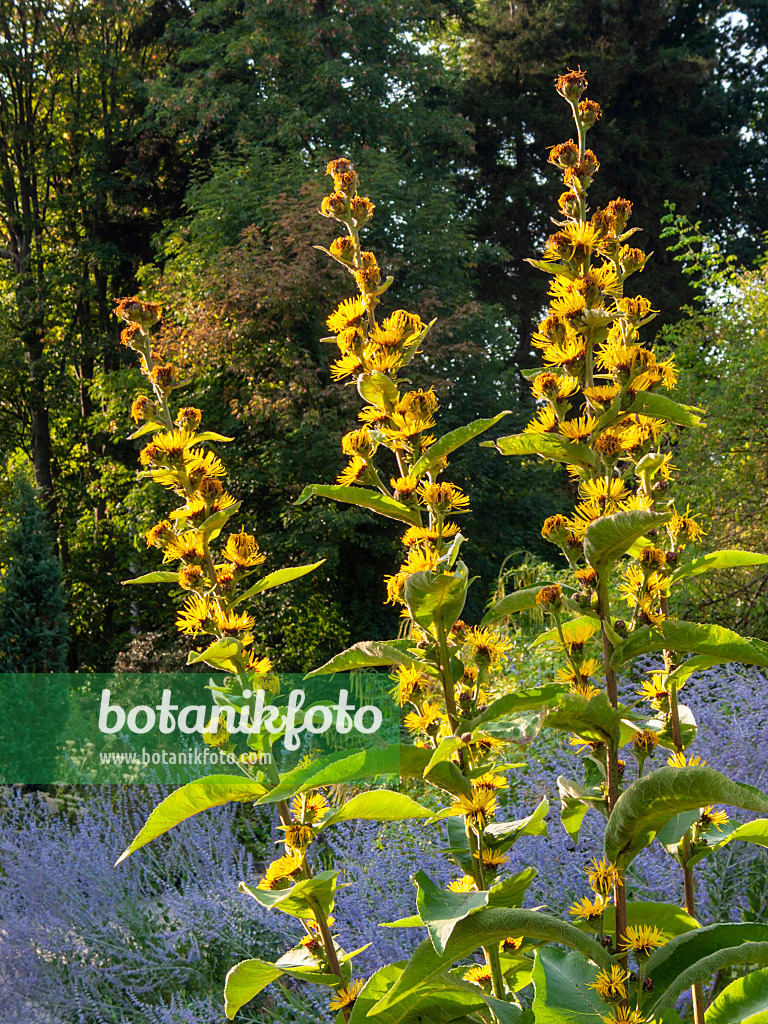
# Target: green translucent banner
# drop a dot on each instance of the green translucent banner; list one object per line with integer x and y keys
{"x": 92, "y": 728}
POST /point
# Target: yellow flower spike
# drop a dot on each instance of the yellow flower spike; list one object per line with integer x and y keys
{"x": 346, "y": 996}
{"x": 642, "y": 940}
{"x": 611, "y": 985}
{"x": 602, "y": 876}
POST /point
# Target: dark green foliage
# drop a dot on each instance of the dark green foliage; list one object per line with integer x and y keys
{"x": 33, "y": 625}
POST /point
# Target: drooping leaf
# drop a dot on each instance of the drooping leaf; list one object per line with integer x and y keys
{"x": 155, "y": 577}
{"x": 575, "y": 801}
{"x": 548, "y": 446}
{"x": 245, "y": 980}
{"x": 648, "y": 403}
{"x": 218, "y": 654}
{"x": 378, "y": 805}
{"x": 692, "y": 638}
{"x": 302, "y": 898}
{"x": 210, "y": 435}
{"x": 560, "y": 982}
{"x": 647, "y": 805}
{"x": 211, "y": 791}
{"x": 517, "y": 601}
{"x": 697, "y": 955}
{"x": 441, "y": 910}
{"x": 363, "y": 498}
{"x": 608, "y": 538}
{"x": 718, "y": 560}
{"x": 595, "y": 720}
{"x": 513, "y": 703}
{"x": 500, "y": 835}
{"x": 480, "y": 929}
{"x": 277, "y": 579}
{"x": 445, "y": 751}
{"x": 368, "y": 654}
{"x": 453, "y": 440}
{"x": 744, "y": 1001}
{"x": 436, "y": 598}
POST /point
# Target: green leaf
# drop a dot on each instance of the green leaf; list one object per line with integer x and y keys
{"x": 561, "y": 269}
{"x": 560, "y": 981}
{"x": 480, "y": 929}
{"x": 696, "y": 955}
{"x": 209, "y": 435}
{"x": 245, "y": 980}
{"x": 364, "y": 498}
{"x": 649, "y": 803}
{"x": 368, "y": 654}
{"x": 378, "y": 389}
{"x": 669, "y": 918}
{"x": 278, "y": 578}
{"x": 445, "y": 751}
{"x": 500, "y": 835}
{"x": 212, "y": 526}
{"x": 220, "y": 652}
{"x": 155, "y": 577}
{"x": 435, "y": 599}
{"x": 146, "y": 428}
{"x": 692, "y": 638}
{"x": 441, "y": 910}
{"x": 594, "y": 720}
{"x": 750, "y": 832}
{"x": 719, "y": 560}
{"x": 518, "y": 601}
{"x": 378, "y": 805}
{"x": 648, "y": 403}
{"x": 576, "y": 801}
{"x": 211, "y": 791}
{"x": 301, "y": 899}
{"x": 454, "y": 439}
{"x": 744, "y": 1001}
{"x": 698, "y": 663}
{"x": 608, "y": 538}
{"x": 514, "y": 703}
{"x": 548, "y": 446}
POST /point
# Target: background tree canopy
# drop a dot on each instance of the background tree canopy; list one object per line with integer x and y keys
{"x": 179, "y": 148}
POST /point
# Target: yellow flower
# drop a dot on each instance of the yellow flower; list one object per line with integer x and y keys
{"x": 298, "y": 836}
{"x": 625, "y": 1015}
{"x": 578, "y": 429}
{"x": 408, "y": 680}
{"x": 603, "y": 876}
{"x": 346, "y": 996}
{"x": 590, "y": 909}
{"x": 575, "y": 636}
{"x": 195, "y": 615}
{"x": 417, "y": 534}
{"x": 684, "y": 527}
{"x": 587, "y": 668}
{"x": 477, "y": 808}
{"x": 232, "y": 623}
{"x": 309, "y": 807}
{"x": 602, "y": 489}
{"x": 242, "y": 550}
{"x": 490, "y": 781}
{"x": 489, "y": 646}
{"x": 480, "y": 975}
{"x": 348, "y": 364}
{"x": 464, "y": 884}
{"x": 645, "y": 742}
{"x": 544, "y": 422}
{"x": 358, "y": 442}
{"x": 553, "y": 386}
{"x": 585, "y": 690}
{"x": 642, "y": 939}
{"x": 354, "y": 472}
{"x": 200, "y": 466}
{"x": 678, "y": 760}
{"x": 512, "y": 944}
{"x": 280, "y": 871}
{"x": 445, "y": 497}
{"x": 611, "y": 985}
{"x": 431, "y": 715}
{"x": 602, "y": 394}
{"x": 711, "y": 817}
{"x": 349, "y": 313}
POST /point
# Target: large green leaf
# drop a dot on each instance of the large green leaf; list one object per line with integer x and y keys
{"x": 277, "y": 579}
{"x": 513, "y": 703}
{"x": 246, "y": 979}
{"x": 608, "y": 538}
{"x": 594, "y": 720}
{"x": 517, "y": 601}
{"x": 441, "y": 910}
{"x": 211, "y": 791}
{"x": 692, "y": 638}
{"x": 718, "y": 560}
{"x": 560, "y": 981}
{"x": 668, "y": 917}
{"x": 363, "y": 498}
{"x": 451, "y": 441}
{"x": 750, "y": 832}
{"x": 437, "y": 598}
{"x": 483, "y": 928}
{"x": 697, "y": 955}
{"x": 378, "y": 389}
{"x": 302, "y": 898}
{"x": 378, "y": 805}
{"x": 744, "y": 1001}
{"x": 500, "y": 835}
{"x": 368, "y": 654}
{"x": 219, "y": 654}
{"x": 649, "y": 803}
{"x": 549, "y": 446}
{"x": 576, "y": 800}
{"x": 649, "y": 403}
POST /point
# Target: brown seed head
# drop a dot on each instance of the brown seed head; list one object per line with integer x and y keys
{"x": 571, "y": 85}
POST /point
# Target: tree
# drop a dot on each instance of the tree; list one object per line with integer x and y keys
{"x": 33, "y": 624}
{"x": 682, "y": 89}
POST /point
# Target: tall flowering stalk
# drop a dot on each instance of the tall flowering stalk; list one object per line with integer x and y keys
{"x": 605, "y": 405}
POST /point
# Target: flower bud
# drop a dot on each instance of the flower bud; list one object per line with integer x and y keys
{"x": 555, "y": 530}
{"x": 564, "y": 154}
{"x": 134, "y": 311}
{"x": 343, "y": 249}
{"x": 550, "y": 597}
{"x": 571, "y": 85}
{"x": 334, "y": 205}
{"x": 589, "y": 112}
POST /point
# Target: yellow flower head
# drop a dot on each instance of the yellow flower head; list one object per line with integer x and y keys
{"x": 446, "y": 497}
{"x": 242, "y": 550}
{"x": 408, "y": 681}
{"x": 642, "y": 940}
{"x": 576, "y": 636}
{"x": 480, "y": 975}
{"x": 354, "y": 472}
{"x": 512, "y": 943}
{"x": 478, "y": 807}
{"x": 195, "y": 615}
{"x": 346, "y": 996}
{"x": 309, "y": 807}
{"x": 492, "y": 859}
{"x": 428, "y": 720}
{"x": 579, "y": 428}
{"x": 464, "y": 884}
{"x": 349, "y": 363}
{"x": 590, "y": 910}
{"x": 279, "y": 872}
{"x": 490, "y": 781}
{"x": 625, "y": 1015}
{"x": 298, "y": 836}
{"x": 709, "y": 816}
{"x": 487, "y": 646}
{"x": 678, "y": 760}
{"x": 645, "y": 742}
{"x": 188, "y": 547}
{"x": 602, "y": 876}
{"x": 611, "y": 985}
{"x": 544, "y": 422}
{"x": 553, "y": 386}
{"x": 233, "y": 623}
